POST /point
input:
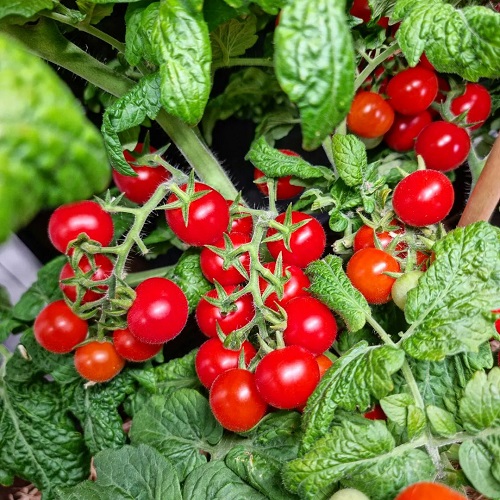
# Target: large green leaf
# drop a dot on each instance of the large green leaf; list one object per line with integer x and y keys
{"x": 26, "y": 8}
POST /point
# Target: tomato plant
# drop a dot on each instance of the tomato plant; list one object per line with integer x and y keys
{"x": 370, "y": 115}
{"x": 475, "y": 102}
{"x": 405, "y": 130}
{"x": 98, "y": 361}
{"x": 129, "y": 347}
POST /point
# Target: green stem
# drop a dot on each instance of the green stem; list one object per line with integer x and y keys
{"x": 376, "y": 61}
{"x": 380, "y": 330}
{"x": 243, "y": 61}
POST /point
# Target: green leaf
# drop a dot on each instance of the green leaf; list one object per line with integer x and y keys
{"x": 131, "y": 110}
{"x": 131, "y": 472}
{"x": 349, "y": 154}
{"x": 330, "y": 284}
{"x": 442, "y": 421}
{"x": 26, "y": 8}
{"x": 92, "y": 13}
{"x": 314, "y": 63}
{"x": 462, "y": 41}
{"x": 362, "y": 374}
{"x": 395, "y": 406}
{"x": 216, "y": 481}
{"x": 271, "y": 6}
{"x": 362, "y": 456}
{"x": 7, "y": 323}
{"x": 47, "y": 146}
{"x": 181, "y": 427}
{"x": 182, "y": 44}
{"x": 445, "y": 317}
{"x": 217, "y": 12}
{"x": 345, "y": 199}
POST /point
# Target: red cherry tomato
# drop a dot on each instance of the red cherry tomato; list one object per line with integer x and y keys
{"x": 366, "y": 269}
{"x": 324, "y": 362}
{"x": 139, "y": 189}
{"x": 159, "y": 311}
{"x": 208, "y": 217}
{"x": 58, "y": 329}
{"x": 310, "y": 324}
{"x": 405, "y": 129}
{"x": 376, "y": 413}
{"x": 412, "y": 90}
{"x": 129, "y": 347}
{"x": 98, "y": 361}
{"x": 361, "y": 9}
{"x": 475, "y": 101}
{"x": 240, "y": 223}
{"x": 209, "y": 316}
{"x": 72, "y": 219}
{"x": 365, "y": 237}
{"x": 429, "y": 491}
{"x": 295, "y": 286}
{"x": 284, "y": 189}
{"x": 285, "y": 378}
{"x": 212, "y": 265}
{"x": 443, "y": 146}
{"x": 444, "y": 88}
{"x": 425, "y": 63}
{"x": 307, "y": 243}
{"x": 424, "y": 197}
{"x": 213, "y": 358}
{"x": 370, "y": 115}
{"x": 235, "y": 401}
{"x": 103, "y": 269}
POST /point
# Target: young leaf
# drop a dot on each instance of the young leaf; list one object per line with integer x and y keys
{"x": 181, "y": 41}
{"x": 344, "y": 199}
{"x": 445, "y": 317}
{"x": 349, "y": 154}
{"x": 314, "y": 62}
{"x": 442, "y": 421}
{"x": 27, "y": 8}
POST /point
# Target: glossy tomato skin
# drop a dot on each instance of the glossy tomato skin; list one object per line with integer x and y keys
{"x": 370, "y": 115}
{"x": 70, "y": 220}
{"x": 286, "y": 377}
{"x": 429, "y": 491}
{"x": 159, "y": 311}
{"x": 235, "y": 401}
{"x": 209, "y": 316}
{"x": 376, "y": 413}
{"x": 412, "y": 90}
{"x": 366, "y": 269}
{"x": 475, "y": 101}
{"x": 139, "y": 189}
{"x": 98, "y": 361}
{"x": 307, "y": 243}
{"x": 422, "y": 198}
{"x": 240, "y": 224}
{"x": 104, "y": 269}
{"x": 295, "y": 286}
{"x": 365, "y": 237}
{"x": 208, "y": 217}
{"x": 213, "y": 358}
{"x": 443, "y": 145}
{"x": 284, "y": 188}
{"x": 310, "y": 324}
{"x": 58, "y": 329}
{"x": 361, "y": 9}
{"x": 212, "y": 266}
{"x": 405, "y": 129}
{"x": 129, "y": 347}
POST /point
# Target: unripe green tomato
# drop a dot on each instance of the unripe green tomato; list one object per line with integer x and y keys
{"x": 403, "y": 285}
{"x": 349, "y": 494}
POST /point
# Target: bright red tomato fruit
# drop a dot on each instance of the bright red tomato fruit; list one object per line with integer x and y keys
{"x": 422, "y": 198}
{"x": 72, "y": 219}
{"x": 324, "y": 362}
{"x": 475, "y": 101}
{"x": 208, "y": 217}
{"x": 370, "y": 115}
{"x": 213, "y": 358}
{"x": 307, "y": 243}
{"x": 365, "y": 237}
{"x": 235, "y": 401}
{"x": 376, "y": 413}
{"x": 240, "y": 223}
{"x": 284, "y": 188}
{"x": 286, "y": 377}
{"x": 159, "y": 311}
{"x": 98, "y": 361}
{"x": 361, "y": 9}
{"x": 58, "y": 329}
{"x": 429, "y": 491}
{"x": 366, "y": 269}
{"x": 405, "y": 129}
{"x": 443, "y": 145}
{"x": 129, "y": 347}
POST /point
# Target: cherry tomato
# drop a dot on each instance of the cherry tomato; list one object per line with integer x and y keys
{"x": 361, "y": 9}
{"x": 475, "y": 101}
{"x": 376, "y": 413}
{"x": 98, "y": 361}
{"x": 310, "y": 324}
{"x": 365, "y": 237}
{"x": 366, "y": 269}
{"x": 213, "y": 358}
{"x": 429, "y": 491}
{"x": 285, "y": 378}
{"x": 129, "y": 347}
{"x": 212, "y": 266}
{"x": 412, "y": 90}
{"x": 425, "y": 63}
{"x": 324, "y": 362}
{"x": 403, "y": 285}
{"x": 58, "y": 329}
{"x": 405, "y": 129}
{"x": 139, "y": 189}
{"x": 284, "y": 188}
{"x": 159, "y": 311}
{"x": 370, "y": 115}
{"x": 208, "y": 217}
{"x": 72, "y": 219}
{"x": 103, "y": 269}
{"x": 240, "y": 223}
{"x": 444, "y": 88}
{"x": 422, "y": 198}
{"x": 307, "y": 243}
{"x": 235, "y": 401}
{"x": 209, "y": 316}
{"x": 443, "y": 145}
